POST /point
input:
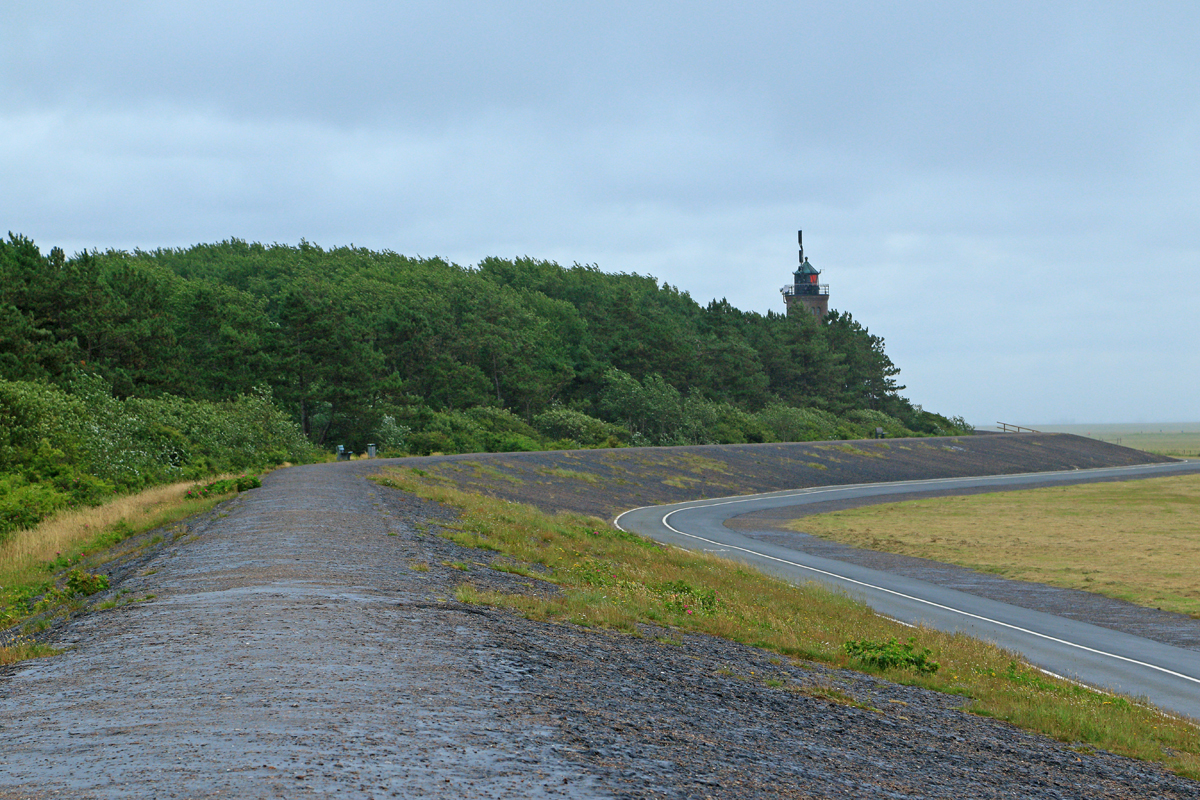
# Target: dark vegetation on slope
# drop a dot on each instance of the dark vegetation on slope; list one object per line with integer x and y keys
{"x": 416, "y": 355}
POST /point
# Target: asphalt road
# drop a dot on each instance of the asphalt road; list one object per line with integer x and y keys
{"x": 1166, "y": 676}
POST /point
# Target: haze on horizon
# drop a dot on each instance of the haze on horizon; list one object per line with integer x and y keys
{"x": 1006, "y": 193}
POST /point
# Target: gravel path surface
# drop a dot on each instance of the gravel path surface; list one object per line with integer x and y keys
{"x": 291, "y": 648}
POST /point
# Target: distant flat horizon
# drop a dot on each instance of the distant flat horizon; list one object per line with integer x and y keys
{"x": 1119, "y": 427}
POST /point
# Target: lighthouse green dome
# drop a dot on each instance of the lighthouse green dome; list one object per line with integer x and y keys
{"x": 807, "y": 269}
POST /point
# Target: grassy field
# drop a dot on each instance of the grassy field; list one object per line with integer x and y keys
{"x": 1179, "y": 439}
{"x": 1137, "y": 540}
{"x": 612, "y": 579}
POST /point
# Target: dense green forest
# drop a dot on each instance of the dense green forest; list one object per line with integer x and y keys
{"x": 419, "y": 355}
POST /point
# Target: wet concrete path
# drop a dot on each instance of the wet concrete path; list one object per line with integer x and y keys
{"x": 289, "y": 649}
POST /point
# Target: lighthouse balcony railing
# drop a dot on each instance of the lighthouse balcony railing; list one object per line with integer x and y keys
{"x": 805, "y": 289}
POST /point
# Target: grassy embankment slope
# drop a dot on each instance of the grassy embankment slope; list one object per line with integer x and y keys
{"x": 1136, "y": 541}
{"x": 610, "y": 579}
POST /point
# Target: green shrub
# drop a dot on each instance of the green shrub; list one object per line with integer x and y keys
{"x": 891, "y": 655}
{"x": 498, "y": 420}
{"x": 790, "y": 424}
{"x": 24, "y": 504}
{"x": 33, "y": 412}
{"x": 865, "y": 421}
{"x": 239, "y": 484}
{"x": 931, "y": 424}
{"x": 511, "y": 443}
{"x": 654, "y": 412}
{"x": 85, "y": 583}
{"x": 502, "y": 430}
{"x": 651, "y": 408}
{"x": 482, "y": 429}
{"x": 564, "y": 424}
{"x": 390, "y": 436}
{"x": 712, "y": 422}
{"x": 248, "y": 432}
{"x": 60, "y": 449}
{"x": 448, "y": 432}
{"x": 423, "y": 443}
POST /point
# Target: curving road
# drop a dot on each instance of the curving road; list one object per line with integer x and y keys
{"x": 1167, "y": 676}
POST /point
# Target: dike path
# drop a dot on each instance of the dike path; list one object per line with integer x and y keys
{"x": 303, "y": 640}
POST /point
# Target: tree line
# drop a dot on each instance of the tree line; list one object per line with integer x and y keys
{"x": 422, "y": 355}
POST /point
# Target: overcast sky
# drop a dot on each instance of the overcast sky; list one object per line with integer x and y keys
{"x": 1006, "y": 192}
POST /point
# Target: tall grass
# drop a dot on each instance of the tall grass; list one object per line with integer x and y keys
{"x": 67, "y": 531}
{"x": 32, "y": 559}
{"x": 611, "y": 579}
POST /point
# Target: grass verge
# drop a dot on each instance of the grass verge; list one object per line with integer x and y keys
{"x": 46, "y": 568}
{"x": 612, "y": 579}
{"x": 1137, "y": 541}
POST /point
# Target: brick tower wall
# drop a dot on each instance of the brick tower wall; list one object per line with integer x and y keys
{"x": 817, "y": 304}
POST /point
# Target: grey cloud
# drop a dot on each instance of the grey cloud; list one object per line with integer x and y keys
{"x": 974, "y": 179}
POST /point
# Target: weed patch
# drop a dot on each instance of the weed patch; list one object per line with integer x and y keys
{"x": 241, "y": 483}
{"x": 834, "y": 695}
{"x": 488, "y": 471}
{"x": 571, "y": 474}
{"x": 682, "y": 482}
{"x": 524, "y": 570}
{"x": 681, "y": 598}
{"x": 23, "y": 649}
{"x": 891, "y": 655}
{"x": 80, "y": 583}
{"x": 857, "y": 451}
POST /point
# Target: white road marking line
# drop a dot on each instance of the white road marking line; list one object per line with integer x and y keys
{"x": 930, "y": 602}
{"x": 922, "y": 482}
{"x": 821, "y": 490}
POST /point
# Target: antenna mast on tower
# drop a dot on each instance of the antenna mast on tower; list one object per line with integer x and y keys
{"x": 805, "y": 292}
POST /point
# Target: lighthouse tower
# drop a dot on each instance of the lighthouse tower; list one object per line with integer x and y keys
{"x": 805, "y": 295}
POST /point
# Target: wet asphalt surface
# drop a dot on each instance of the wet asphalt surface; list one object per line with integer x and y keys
{"x": 1167, "y": 627}
{"x": 292, "y": 649}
